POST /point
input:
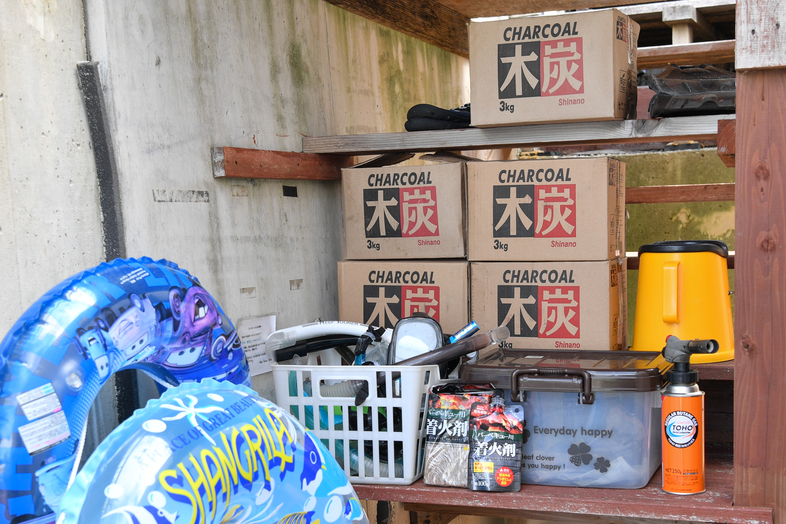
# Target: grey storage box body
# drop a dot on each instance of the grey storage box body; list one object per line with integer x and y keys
{"x": 592, "y": 418}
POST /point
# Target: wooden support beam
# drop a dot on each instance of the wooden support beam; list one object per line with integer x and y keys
{"x": 727, "y": 136}
{"x": 236, "y": 162}
{"x": 426, "y": 20}
{"x": 760, "y": 40}
{"x": 681, "y": 34}
{"x": 680, "y": 193}
{"x": 638, "y": 11}
{"x": 720, "y": 52}
{"x": 684, "y": 15}
{"x": 760, "y": 289}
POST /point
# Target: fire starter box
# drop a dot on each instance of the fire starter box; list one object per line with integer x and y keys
{"x": 397, "y": 212}
{"x": 553, "y": 305}
{"x": 570, "y": 67}
{"x": 381, "y": 293}
{"x": 550, "y": 209}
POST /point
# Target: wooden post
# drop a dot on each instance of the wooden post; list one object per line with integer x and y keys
{"x": 760, "y": 278}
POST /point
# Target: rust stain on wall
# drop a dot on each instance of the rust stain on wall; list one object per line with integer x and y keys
{"x": 181, "y": 195}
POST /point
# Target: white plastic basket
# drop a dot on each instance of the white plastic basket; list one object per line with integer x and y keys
{"x": 396, "y": 435}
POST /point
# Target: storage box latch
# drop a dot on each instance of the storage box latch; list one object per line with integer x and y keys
{"x": 552, "y": 379}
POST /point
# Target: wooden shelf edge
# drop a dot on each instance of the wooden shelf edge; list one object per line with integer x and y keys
{"x": 680, "y": 193}
{"x": 648, "y": 504}
{"x": 237, "y": 162}
{"x": 715, "y": 371}
{"x": 717, "y": 52}
{"x": 603, "y": 132}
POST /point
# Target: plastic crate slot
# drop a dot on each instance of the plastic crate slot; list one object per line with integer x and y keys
{"x": 370, "y": 457}
{"x": 338, "y": 452}
{"x": 396, "y": 378}
{"x": 398, "y": 425}
{"x": 398, "y": 450}
{"x": 368, "y": 415}
{"x": 382, "y": 420}
{"x": 353, "y": 464}
{"x": 342, "y": 389}
{"x": 323, "y": 418}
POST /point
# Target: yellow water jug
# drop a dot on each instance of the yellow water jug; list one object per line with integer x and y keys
{"x": 683, "y": 291}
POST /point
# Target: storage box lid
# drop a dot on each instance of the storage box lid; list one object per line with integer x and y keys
{"x": 560, "y": 370}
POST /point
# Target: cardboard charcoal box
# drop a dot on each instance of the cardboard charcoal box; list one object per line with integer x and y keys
{"x": 399, "y": 212}
{"x": 553, "y": 305}
{"x": 383, "y": 292}
{"x": 546, "y": 210}
{"x": 577, "y": 66}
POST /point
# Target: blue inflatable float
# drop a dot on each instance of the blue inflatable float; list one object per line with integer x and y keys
{"x": 134, "y": 313}
{"x": 211, "y": 453}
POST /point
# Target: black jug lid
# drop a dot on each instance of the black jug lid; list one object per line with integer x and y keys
{"x": 686, "y": 246}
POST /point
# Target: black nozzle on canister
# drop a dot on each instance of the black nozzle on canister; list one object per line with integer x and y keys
{"x": 678, "y": 352}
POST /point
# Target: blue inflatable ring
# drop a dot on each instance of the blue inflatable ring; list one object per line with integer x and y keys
{"x": 134, "y": 313}
{"x": 211, "y": 453}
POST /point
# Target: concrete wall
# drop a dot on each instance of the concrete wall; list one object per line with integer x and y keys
{"x": 180, "y": 78}
{"x": 50, "y": 226}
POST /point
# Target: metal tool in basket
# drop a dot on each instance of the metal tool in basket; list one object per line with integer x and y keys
{"x": 419, "y": 337}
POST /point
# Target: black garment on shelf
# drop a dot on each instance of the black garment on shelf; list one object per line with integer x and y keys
{"x": 424, "y": 117}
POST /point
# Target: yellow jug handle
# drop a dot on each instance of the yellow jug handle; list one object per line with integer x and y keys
{"x": 670, "y": 291}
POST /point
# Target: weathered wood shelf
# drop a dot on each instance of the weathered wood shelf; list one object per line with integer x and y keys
{"x": 715, "y": 371}
{"x": 614, "y": 506}
{"x": 579, "y": 133}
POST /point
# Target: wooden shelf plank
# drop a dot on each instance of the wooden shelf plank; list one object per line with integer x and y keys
{"x": 614, "y": 131}
{"x": 639, "y": 11}
{"x": 718, "y": 52}
{"x": 715, "y": 371}
{"x": 682, "y": 193}
{"x": 648, "y": 504}
{"x": 236, "y": 162}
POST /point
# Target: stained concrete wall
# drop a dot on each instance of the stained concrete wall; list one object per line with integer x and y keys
{"x": 50, "y": 226}
{"x": 180, "y": 78}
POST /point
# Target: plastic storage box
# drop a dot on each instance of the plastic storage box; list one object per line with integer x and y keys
{"x": 592, "y": 418}
{"x": 389, "y": 427}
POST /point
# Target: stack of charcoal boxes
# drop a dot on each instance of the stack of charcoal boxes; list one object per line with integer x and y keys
{"x": 547, "y": 251}
{"x": 405, "y": 245}
{"x": 534, "y": 245}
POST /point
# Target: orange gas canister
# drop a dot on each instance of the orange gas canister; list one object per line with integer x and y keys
{"x": 682, "y": 414}
{"x": 683, "y": 439}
